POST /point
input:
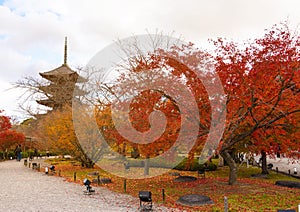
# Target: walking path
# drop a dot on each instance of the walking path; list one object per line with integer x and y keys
{"x": 283, "y": 164}
{"x": 23, "y": 189}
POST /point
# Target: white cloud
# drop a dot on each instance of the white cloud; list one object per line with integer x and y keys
{"x": 32, "y": 31}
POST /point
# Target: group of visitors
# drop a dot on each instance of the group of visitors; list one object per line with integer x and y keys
{"x": 18, "y": 153}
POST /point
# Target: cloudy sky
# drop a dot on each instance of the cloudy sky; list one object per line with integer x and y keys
{"x": 32, "y": 31}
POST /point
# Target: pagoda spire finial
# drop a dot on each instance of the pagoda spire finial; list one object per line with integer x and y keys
{"x": 65, "y": 54}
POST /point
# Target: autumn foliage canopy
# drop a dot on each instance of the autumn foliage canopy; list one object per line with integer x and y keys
{"x": 8, "y": 137}
{"x": 261, "y": 82}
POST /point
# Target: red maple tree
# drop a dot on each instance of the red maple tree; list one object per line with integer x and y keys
{"x": 8, "y": 137}
{"x": 261, "y": 80}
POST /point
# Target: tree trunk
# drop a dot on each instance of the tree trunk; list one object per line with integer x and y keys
{"x": 146, "y": 166}
{"x": 89, "y": 164}
{"x": 264, "y": 168}
{"x": 232, "y": 167}
{"x": 86, "y": 161}
{"x": 135, "y": 153}
{"x": 124, "y": 149}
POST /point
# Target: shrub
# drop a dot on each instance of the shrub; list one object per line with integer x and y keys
{"x": 193, "y": 166}
{"x": 157, "y": 163}
{"x": 30, "y": 152}
{"x": 184, "y": 165}
{"x": 212, "y": 167}
{"x": 43, "y": 153}
{"x": 208, "y": 166}
{"x": 24, "y": 154}
{"x": 11, "y": 154}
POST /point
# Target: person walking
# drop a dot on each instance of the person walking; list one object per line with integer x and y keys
{"x": 35, "y": 154}
{"x": 18, "y": 152}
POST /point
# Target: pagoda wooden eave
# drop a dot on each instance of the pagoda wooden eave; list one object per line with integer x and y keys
{"x": 46, "y": 102}
{"x": 53, "y": 89}
{"x": 62, "y": 71}
{"x": 65, "y": 72}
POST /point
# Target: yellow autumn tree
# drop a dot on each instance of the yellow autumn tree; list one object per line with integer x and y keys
{"x": 57, "y": 130}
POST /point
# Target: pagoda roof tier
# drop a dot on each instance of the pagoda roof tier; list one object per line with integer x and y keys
{"x": 46, "y": 102}
{"x": 62, "y": 72}
{"x": 54, "y": 89}
{"x": 54, "y": 104}
{"x": 58, "y": 88}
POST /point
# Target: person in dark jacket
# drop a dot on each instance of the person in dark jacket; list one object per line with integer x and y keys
{"x": 18, "y": 152}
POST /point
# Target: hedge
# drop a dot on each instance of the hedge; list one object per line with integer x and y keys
{"x": 155, "y": 163}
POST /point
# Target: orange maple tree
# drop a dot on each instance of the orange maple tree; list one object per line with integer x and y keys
{"x": 170, "y": 76}
{"x": 262, "y": 84}
{"x": 142, "y": 105}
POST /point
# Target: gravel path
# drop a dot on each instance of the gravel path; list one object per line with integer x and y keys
{"x": 23, "y": 189}
{"x": 284, "y": 165}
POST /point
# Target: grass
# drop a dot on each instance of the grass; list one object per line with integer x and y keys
{"x": 249, "y": 194}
